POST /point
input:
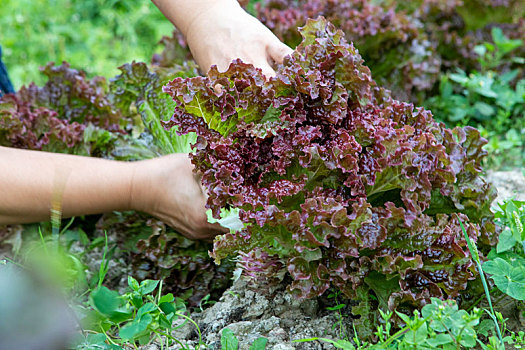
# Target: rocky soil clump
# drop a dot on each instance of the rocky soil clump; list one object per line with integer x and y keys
{"x": 509, "y": 184}
{"x": 274, "y": 314}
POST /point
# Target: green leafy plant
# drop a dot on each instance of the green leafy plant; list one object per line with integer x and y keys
{"x": 442, "y": 325}
{"x": 230, "y": 342}
{"x": 518, "y": 340}
{"x": 494, "y": 55}
{"x": 137, "y": 316}
{"x": 439, "y": 325}
{"x": 506, "y": 263}
{"x": 492, "y": 98}
{"x": 451, "y": 325}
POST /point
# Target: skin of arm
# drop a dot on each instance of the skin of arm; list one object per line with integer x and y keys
{"x": 164, "y": 187}
{"x": 218, "y": 31}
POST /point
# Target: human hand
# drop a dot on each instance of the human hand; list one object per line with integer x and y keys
{"x": 167, "y": 188}
{"x": 223, "y": 31}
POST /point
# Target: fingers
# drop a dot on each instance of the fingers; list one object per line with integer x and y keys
{"x": 261, "y": 53}
{"x": 278, "y": 51}
{"x": 265, "y": 67}
{"x": 259, "y": 62}
{"x": 222, "y": 64}
{"x": 275, "y": 53}
{"x": 204, "y": 233}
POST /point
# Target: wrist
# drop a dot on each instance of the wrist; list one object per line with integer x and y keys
{"x": 214, "y": 10}
{"x": 140, "y": 198}
{"x": 182, "y": 13}
{"x": 93, "y": 185}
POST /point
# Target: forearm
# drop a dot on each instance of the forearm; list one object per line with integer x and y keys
{"x": 183, "y": 12}
{"x": 31, "y": 181}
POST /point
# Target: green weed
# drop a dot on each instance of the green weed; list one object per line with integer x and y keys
{"x": 230, "y": 342}
{"x": 440, "y": 325}
{"x": 136, "y": 317}
{"x": 491, "y": 99}
{"x": 506, "y": 263}
{"x": 337, "y": 308}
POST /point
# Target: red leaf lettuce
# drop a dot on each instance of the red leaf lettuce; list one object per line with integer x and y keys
{"x": 336, "y": 182}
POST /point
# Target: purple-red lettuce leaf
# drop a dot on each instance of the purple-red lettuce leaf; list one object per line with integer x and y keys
{"x": 75, "y": 97}
{"x": 69, "y": 114}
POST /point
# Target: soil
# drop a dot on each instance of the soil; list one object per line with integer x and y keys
{"x": 509, "y": 184}
{"x": 275, "y": 315}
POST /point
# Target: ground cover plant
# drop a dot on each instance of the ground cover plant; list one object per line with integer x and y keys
{"x": 337, "y": 183}
{"x": 135, "y": 317}
{"x": 506, "y": 263}
{"x": 440, "y": 325}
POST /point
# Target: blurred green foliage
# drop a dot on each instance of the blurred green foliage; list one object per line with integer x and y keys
{"x": 96, "y": 36}
{"x": 491, "y": 99}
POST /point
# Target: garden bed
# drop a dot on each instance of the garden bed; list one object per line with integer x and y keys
{"x": 358, "y": 216}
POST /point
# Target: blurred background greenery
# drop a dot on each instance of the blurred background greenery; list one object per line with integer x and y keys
{"x": 96, "y": 35}
{"x": 464, "y": 61}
